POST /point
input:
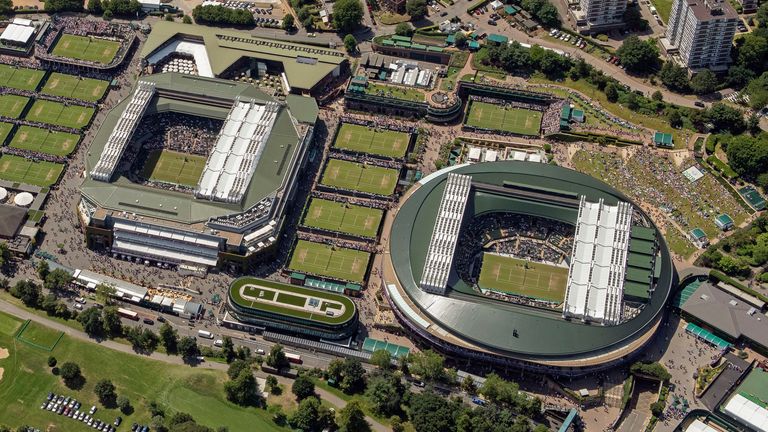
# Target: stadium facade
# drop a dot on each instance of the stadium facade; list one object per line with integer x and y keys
{"x": 236, "y": 212}
{"x": 224, "y": 53}
{"x": 250, "y": 314}
{"x": 607, "y": 315}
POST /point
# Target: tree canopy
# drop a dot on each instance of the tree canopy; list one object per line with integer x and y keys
{"x": 219, "y": 14}
{"x": 417, "y": 9}
{"x": 347, "y": 15}
{"x": 637, "y": 55}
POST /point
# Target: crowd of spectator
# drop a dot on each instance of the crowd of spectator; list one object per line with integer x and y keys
{"x": 80, "y": 26}
{"x": 178, "y": 132}
{"x": 349, "y": 244}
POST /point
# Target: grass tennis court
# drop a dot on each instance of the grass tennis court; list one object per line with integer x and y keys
{"x": 18, "y": 169}
{"x": 173, "y": 167}
{"x": 44, "y": 141}
{"x": 341, "y": 217}
{"x": 57, "y": 113}
{"x": 496, "y": 117}
{"x": 333, "y": 262}
{"x": 5, "y": 130}
{"x": 358, "y": 177}
{"x": 86, "y": 48}
{"x": 20, "y": 78}
{"x": 71, "y": 86}
{"x": 368, "y": 140}
{"x": 523, "y": 278}
{"x": 11, "y": 106}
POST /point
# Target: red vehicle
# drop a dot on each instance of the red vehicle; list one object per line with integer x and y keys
{"x": 128, "y": 314}
{"x": 294, "y": 358}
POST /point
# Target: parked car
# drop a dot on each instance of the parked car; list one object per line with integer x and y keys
{"x": 699, "y": 104}
{"x": 148, "y": 321}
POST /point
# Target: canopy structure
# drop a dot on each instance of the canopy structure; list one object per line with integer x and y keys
{"x": 19, "y": 34}
{"x": 23, "y": 199}
{"x": 707, "y": 336}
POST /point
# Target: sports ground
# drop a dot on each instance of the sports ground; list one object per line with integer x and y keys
{"x": 358, "y": 177}
{"x": 292, "y": 300}
{"x": 18, "y": 169}
{"x": 5, "y": 130}
{"x": 496, "y": 117}
{"x": 56, "y": 113}
{"x": 71, "y": 86}
{"x": 523, "y": 278}
{"x": 331, "y": 261}
{"x": 341, "y": 217}
{"x": 86, "y": 48}
{"x": 44, "y": 141}
{"x": 12, "y": 106}
{"x": 755, "y": 387}
{"x": 20, "y": 78}
{"x": 368, "y": 140}
{"x": 173, "y": 167}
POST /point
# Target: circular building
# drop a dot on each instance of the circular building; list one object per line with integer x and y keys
{"x": 3, "y": 194}
{"x": 23, "y": 199}
{"x": 526, "y": 265}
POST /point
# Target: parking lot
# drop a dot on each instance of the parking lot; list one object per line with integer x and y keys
{"x": 67, "y": 407}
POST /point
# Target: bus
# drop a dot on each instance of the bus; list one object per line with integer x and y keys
{"x": 128, "y": 314}
{"x": 205, "y": 334}
{"x": 293, "y": 358}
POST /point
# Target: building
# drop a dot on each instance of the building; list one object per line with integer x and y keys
{"x": 724, "y": 222}
{"x": 235, "y": 213}
{"x": 748, "y": 6}
{"x": 224, "y": 53}
{"x": 435, "y": 295}
{"x": 148, "y": 6}
{"x": 699, "y": 237}
{"x": 700, "y": 34}
{"x": 260, "y": 305}
{"x": 593, "y": 16}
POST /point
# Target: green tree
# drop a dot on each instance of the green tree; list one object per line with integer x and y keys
{"x": 725, "y": 118}
{"x": 347, "y": 15}
{"x": 704, "y": 82}
{"x": 404, "y": 29}
{"x": 652, "y": 369}
{"x": 169, "y": 338}
{"x": 638, "y": 55}
{"x": 385, "y": 393}
{"x": 634, "y": 19}
{"x": 381, "y": 359}
{"x": 243, "y": 390}
{"x": 674, "y": 77}
{"x": 105, "y": 293}
{"x": 91, "y": 321}
{"x": 5, "y": 254}
{"x": 288, "y": 22}
{"x": 186, "y": 19}
{"x": 112, "y": 324}
{"x": 427, "y": 364}
{"x": 6, "y": 7}
{"x": 417, "y": 9}
{"x": 350, "y": 43}
{"x": 228, "y": 349}
{"x": 468, "y": 385}
{"x": 303, "y": 387}
{"x": 43, "y": 269}
{"x": 276, "y": 358}
{"x": 70, "y": 373}
{"x": 352, "y": 418}
{"x": 739, "y": 76}
{"x": 237, "y": 367}
{"x": 106, "y": 393}
{"x": 28, "y": 291}
{"x": 124, "y": 404}
{"x": 657, "y": 408}
{"x": 52, "y": 361}
{"x": 306, "y": 415}
{"x": 675, "y": 118}
{"x": 188, "y": 348}
{"x": 63, "y": 5}
{"x": 548, "y": 16}
{"x": 611, "y": 93}
{"x": 751, "y": 53}
{"x": 657, "y": 96}
{"x": 349, "y": 373}
{"x": 58, "y": 279}
{"x": 271, "y": 383}
{"x": 430, "y": 413}
{"x": 762, "y": 16}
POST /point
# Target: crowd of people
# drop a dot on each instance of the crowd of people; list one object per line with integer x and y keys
{"x": 242, "y": 220}
{"x": 335, "y": 241}
{"x": 386, "y": 123}
{"x": 365, "y": 158}
{"x": 377, "y": 204}
{"x": 178, "y": 132}
{"x": 79, "y": 26}
{"x": 33, "y": 155}
{"x": 550, "y": 120}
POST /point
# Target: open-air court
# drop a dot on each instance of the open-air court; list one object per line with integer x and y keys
{"x": 497, "y": 117}
{"x": 20, "y": 78}
{"x": 12, "y": 106}
{"x": 57, "y": 113}
{"x": 359, "y": 177}
{"x": 44, "y": 141}
{"x": 86, "y": 48}
{"x": 523, "y": 278}
{"x": 71, "y": 86}
{"x": 342, "y": 217}
{"x": 169, "y": 166}
{"x": 364, "y": 139}
{"x": 38, "y": 173}
{"x": 5, "y": 130}
{"x": 331, "y": 261}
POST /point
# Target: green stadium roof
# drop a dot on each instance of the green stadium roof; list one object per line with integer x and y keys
{"x": 487, "y": 323}
{"x": 698, "y": 233}
{"x": 662, "y": 139}
{"x": 638, "y": 275}
{"x": 641, "y": 246}
{"x": 636, "y": 291}
{"x": 724, "y": 220}
{"x": 686, "y": 293}
{"x": 640, "y": 261}
{"x": 225, "y": 47}
{"x": 372, "y": 345}
{"x": 123, "y": 195}
{"x": 643, "y": 233}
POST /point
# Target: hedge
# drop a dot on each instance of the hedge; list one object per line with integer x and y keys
{"x": 721, "y": 166}
{"x": 722, "y": 277}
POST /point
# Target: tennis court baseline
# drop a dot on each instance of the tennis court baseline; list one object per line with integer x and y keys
{"x": 497, "y": 117}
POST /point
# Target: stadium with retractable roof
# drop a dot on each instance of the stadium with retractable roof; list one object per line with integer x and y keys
{"x": 526, "y": 265}
{"x": 194, "y": 172}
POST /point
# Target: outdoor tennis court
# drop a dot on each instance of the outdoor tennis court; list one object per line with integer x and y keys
{"x": 71, "y": 86}
{"x": 331, "y": 261}
{"x": 38, "y": 173}
{"x": 342, "y": 217}
{"x": 496, "y": 117}
{"x": 5, "y": 130}
{"x": 364, "y": 139}
{"x": 57, "y": 113}
{"x": 20, "y": 78}
{"x": 523, "y": 278}
{"x": 12, "y": 106}
{"x": 44, "y": 141}
{"x": 86, "y": 48}
{"x": 173, "y": 167}
{"x": 359, "y": 177}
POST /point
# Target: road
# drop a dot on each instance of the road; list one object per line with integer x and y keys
{"x": 175, "y": 360}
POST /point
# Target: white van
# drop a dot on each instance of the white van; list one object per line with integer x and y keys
{"x": 218, "y": 343}
{"x": 205, "y": 334}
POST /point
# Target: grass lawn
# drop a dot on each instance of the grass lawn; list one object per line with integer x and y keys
{"x": 291, "y": 299}
{"x": 449, "y": 82}
{"x": 340, "y": 217}
{"x": 677, "y": 242}
{"x": 333, "y": 262}
{"x": 11, "y": 106}
{"x": 20, "y": 78}
{"x": 523, "y": 278}
{"x": 358, "y": 177}
{"x": 57, "y": 113}
{"x": 496, "y": 117}
{"x": 27, "y": 380}
{"x": 173, "y": 167}
{"x": 18, "y": 169}
{"x": 5, "y": 130}
{"x": 664, "y": 8}
{"x": 39, "y": 335}
{"x": 86, "y": 48}
{"x": 404, "y": 93}
{"x": 71, "y": 86}
{"x": 260, "y": 293}
{"x": 44, "y": 141}
{"x": 367, "y": 140}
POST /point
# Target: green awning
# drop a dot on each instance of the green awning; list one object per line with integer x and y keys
{"x": 707, "y": 336}
{"x": 497, "y": 38}
{"x": 298, "y": 276}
